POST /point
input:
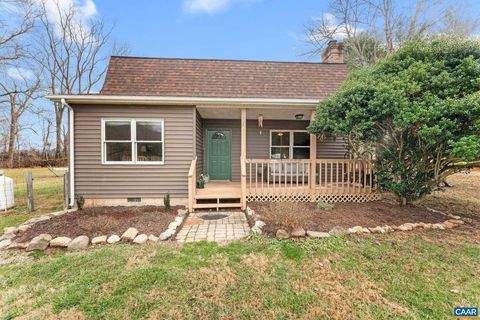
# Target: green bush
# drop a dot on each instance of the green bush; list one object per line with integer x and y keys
{"x": 325, "y": 206}
{"x": 166, "y": 200}
{"x": 80, "y": 201}
{"x": 418, "y": 110}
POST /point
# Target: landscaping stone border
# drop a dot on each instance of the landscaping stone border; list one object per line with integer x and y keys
{"x": 43, "y": 241}
{"x": 281, "y": 234}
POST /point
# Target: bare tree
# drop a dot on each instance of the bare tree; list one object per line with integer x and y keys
{"x": 373, "y": 29}
{"x": 4, "y": 134}
{"x": 72, "y": 53}
{"x": 47, "y": 124}
{"x": 16, "y": 19}
{"x": 458, "y": 22}
{"x": 18, "y": 93}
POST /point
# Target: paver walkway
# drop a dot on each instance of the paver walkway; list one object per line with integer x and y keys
{"x": 203, "y": 226}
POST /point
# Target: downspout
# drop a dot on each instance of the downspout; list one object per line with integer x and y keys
{"x": 71, "y": 167}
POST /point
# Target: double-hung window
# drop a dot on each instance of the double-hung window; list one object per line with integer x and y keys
{"x": 289, "y": 144}
{"x": 132, "y": 141}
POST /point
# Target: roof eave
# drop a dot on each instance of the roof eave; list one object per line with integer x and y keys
{"x": 183, "y": 101}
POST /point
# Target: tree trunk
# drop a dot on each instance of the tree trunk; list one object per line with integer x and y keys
{"x": 12, "y": 131}
{"x": 11, "y": 142}
{"x": 402, "y": 201}
{"x": 58, "y": 133}
{"x": 66, "y": 143}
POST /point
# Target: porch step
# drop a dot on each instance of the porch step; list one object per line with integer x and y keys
{"x": 218, "y": 194}
{"x": 216, "y": 205}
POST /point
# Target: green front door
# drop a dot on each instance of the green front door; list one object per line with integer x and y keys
{"x": 219, "y": 154}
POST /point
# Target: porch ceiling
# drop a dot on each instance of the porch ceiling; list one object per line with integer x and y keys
{"x": 252, "y": 113}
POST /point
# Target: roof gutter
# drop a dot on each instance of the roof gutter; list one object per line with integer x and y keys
{"x": 71, "y": 163}
{"x": 186, "y": 101}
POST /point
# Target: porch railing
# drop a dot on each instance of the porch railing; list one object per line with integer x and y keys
{"x": 243, "y": 183}
{"x": 344, "y": 176}
{"x": 299, "y": 180}
{"x": 277, "y": 176}
{"x": 192, "y": 184}
{"x": 292, "y": 176}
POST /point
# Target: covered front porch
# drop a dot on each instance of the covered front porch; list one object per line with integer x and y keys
{"x": 258, "y": 153}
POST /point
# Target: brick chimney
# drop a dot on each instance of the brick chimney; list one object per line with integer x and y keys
{"x": 333, "y": 53}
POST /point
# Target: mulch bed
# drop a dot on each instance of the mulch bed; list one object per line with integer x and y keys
{"x": 98, "y": 221}
{"x": 284, "y": 215}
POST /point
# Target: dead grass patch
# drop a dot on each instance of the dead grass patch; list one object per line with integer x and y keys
{"x": 142, "y": 257}
{"x": 70, "y": 314}
{"x": 463, "y": 198}
{"x": 212, "y": 281}
{"x": 257, "y": 262}
{"x": 342, "y": 291}
{"x": 43, "y": 312}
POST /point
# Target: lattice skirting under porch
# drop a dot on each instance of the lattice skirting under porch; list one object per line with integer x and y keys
{"x": 328, "y": 198}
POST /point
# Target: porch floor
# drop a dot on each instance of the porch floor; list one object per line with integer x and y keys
{"x": 215, "y": 188}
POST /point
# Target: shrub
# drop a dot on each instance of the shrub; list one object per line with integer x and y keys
{"x": 80, "y": 201}
{"x": 418, "y": 109}
{"x": 166, "y": 201}
{"x": 325, "y": 206}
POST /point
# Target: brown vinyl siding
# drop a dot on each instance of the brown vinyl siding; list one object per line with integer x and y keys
{"x": 96, "y": 180}
{"x": 258, "y": 144}
{"x": 199, "y": 142}
{"x": 331, "y": 148}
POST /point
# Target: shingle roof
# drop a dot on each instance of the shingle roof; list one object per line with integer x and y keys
{"x": 221, "y": 78}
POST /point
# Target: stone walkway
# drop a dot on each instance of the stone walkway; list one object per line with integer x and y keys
{"x": 214, "y": 226}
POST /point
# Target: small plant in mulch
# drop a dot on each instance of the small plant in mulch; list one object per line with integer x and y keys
{"x": 325, "y": 206}
{"x": 80, "y": 201}
{"x": 166, "y": 201}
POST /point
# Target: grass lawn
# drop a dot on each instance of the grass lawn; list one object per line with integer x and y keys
{"x": 48, "y": 195}
{"x": 421, "y": 274}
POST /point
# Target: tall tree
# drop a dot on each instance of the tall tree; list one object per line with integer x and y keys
{"x": 16, "y": 20}
{"x": 19, "y": 92}
{"x": 72, "y": 53}
{"x": 373, "y": 29}
{"x": 418, "y": 109}
{"x": 46, "y": 130}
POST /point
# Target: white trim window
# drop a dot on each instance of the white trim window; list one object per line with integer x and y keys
{"x": 133, "y": 141}
{"x": 289, "y": 144}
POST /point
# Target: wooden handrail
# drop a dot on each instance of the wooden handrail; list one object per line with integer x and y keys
{"x": 193, "y": 168}
{"x": 192, "y": 184}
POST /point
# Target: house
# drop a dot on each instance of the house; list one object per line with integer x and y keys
{"x": 158, "y": 124}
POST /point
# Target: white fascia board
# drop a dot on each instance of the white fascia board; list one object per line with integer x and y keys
{"x": 188, "y": 101}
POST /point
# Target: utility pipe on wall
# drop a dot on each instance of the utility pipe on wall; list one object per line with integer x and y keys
{"x": 71, "y": 163}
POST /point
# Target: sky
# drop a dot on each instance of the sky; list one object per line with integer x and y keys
{"x": 223, "y": 29}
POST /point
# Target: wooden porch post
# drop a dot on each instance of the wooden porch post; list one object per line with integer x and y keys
{"x": 243, "y": 156}
{"x": 313, "y": 159}
{"x": 243, "y": 150}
